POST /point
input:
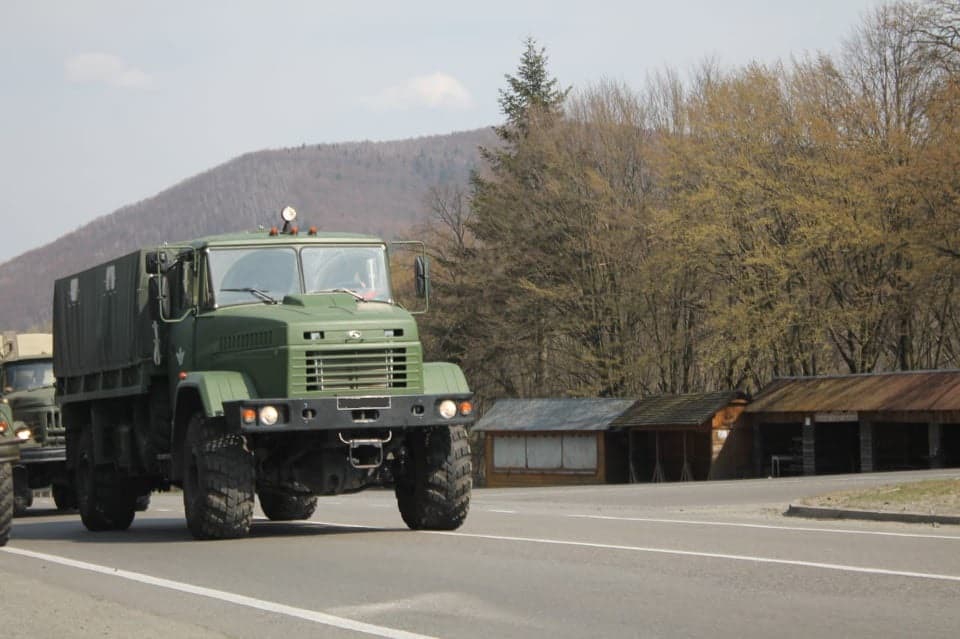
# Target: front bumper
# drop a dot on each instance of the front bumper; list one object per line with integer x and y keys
{"x": 348, "y": 413}
{"x": 9, "y": 451}
{"x": 43, "y": 454}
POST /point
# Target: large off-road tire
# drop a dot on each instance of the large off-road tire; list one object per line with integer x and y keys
{"x": 22, "y": 493}
{"x": 104, "y": 501}
{"x": 64, "y": 497}
{"x": 433, "y": 489}
{"x": 142, "y": 503}
{"x": 278, "y": 505}
{"x": 6, "y": 501}
{"x": 218, "y": 480}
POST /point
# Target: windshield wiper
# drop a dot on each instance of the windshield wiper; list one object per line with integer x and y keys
{"x": 256, "y": 292}
{"x": 359, "y": 297}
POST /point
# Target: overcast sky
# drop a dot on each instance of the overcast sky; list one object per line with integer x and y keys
{"x": 107, "y": 102}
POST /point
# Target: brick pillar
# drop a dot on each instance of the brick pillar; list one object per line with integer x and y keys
{"x": 935, "y": 443}
{"x": 808, "y": 431}
{"x": 866, "y": 447}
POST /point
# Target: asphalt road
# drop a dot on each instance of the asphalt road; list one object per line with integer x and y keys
{"x": 704, "y": 559}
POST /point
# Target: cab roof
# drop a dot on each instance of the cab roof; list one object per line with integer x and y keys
{"x": 262, "y": 237}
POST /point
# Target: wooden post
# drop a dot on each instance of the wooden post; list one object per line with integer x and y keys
{"x": 935, "y": 444}
{"x": 809, "y": 442}
{"x": 866, "y": 446}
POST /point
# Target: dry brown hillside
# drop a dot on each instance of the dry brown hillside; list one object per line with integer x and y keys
{"x": 368, "y": 187}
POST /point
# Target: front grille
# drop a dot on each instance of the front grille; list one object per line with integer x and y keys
{"x": 356, "y": 370}
{"x": 45, "y": 424}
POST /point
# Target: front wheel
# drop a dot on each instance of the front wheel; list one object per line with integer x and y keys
{"x": 433, "y": 489}
{"x": 218, "y": 480}
{"x": 6, "y": 501}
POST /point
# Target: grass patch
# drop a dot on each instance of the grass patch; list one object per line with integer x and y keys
{"x": 934, "y": 496}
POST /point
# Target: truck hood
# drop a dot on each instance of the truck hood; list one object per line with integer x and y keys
{"x": 299, "y": 316}
{"x": 31, "y": 399}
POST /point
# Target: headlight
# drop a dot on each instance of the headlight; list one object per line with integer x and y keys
{"x": 24, "y": 434}
{"x": 269, "y": 415}
{"x": 447, "y": 409}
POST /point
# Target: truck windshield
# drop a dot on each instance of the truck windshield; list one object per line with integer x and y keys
{"x": 266, "y": 275}
{"x": 361, "y": 270}
{"x": 27, "y": 375}
{"x": 245, "y": 276}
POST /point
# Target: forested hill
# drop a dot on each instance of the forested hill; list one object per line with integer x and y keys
{"x": 367, "y": 187}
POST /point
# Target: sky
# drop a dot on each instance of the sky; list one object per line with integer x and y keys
{"x": 107, "y": 102}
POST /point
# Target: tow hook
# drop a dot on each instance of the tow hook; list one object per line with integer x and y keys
{"x": 365, "y": 453}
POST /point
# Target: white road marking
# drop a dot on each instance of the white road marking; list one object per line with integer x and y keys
{"x": 708, "y": 555}
{"x": 229, "y": 597}
{"x": 496, "y": 510}
{"x": 841, "y": 531}
{"x": 683, "y": 553}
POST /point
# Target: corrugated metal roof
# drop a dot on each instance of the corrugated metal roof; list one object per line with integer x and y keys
{"x": 552, "y": 414}
{"x": 905, "y": 391}
{"x": 676, "y": 410}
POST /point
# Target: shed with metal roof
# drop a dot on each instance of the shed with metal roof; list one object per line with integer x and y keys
{"x": 685, "y": 437}
{"x": 857, "y": 423}
{"x": 557, "y": 441}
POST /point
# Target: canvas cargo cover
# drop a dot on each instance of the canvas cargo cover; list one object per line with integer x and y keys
{"x": 101, "y": 320}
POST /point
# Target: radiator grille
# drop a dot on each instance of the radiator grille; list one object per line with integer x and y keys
{"x": 352, "y": 370}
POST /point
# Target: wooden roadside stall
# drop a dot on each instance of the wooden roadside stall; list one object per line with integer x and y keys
{"x": 857, "y": 423}
{"x": 686, "y": 437}
{"x": 544, "y": 442}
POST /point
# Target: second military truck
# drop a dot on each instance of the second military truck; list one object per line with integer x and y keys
{"x": 26, "y": 380}
{"x": 275, "y": 363}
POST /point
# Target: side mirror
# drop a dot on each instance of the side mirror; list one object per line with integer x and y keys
{"x": 156, "y": 260}
{"x": 421, "y": 276}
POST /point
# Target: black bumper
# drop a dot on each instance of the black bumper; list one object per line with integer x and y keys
{"x": 9, "y": 451}
{"x": 348, "y": 413}
{"x": 43, "y": 454}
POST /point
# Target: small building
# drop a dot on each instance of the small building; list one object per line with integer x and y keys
{"x": 857, "y": 423}
{"x": 540, "y": 442}
{"x": 685, "y": 437}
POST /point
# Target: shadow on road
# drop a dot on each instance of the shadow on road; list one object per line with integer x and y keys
{"x": 154, "y": 530}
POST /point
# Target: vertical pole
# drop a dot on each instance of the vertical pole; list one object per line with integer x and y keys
{"x": 935, "y": 444}
{"x": 809, "y": 443}
{"x": 866, "y": 446}
{"x": 630, "y": 454}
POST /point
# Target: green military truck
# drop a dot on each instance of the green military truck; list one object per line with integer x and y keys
{"x": 275, "y": 363}
{"x": 10, "y": 438}
{"x": 27, "y": 383}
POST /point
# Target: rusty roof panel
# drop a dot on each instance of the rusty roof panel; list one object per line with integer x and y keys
{"x": 878, "y": 392}
{"x": 676, "y": 410}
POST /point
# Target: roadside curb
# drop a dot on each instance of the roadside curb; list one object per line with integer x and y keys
{"x": 812, "y": 512}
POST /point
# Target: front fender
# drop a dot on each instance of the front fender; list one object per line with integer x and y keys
{"x": 214, "y": 388}
{"x": 443, "y": 378}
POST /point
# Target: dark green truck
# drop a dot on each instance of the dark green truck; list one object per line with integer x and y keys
{"x": 9, "y": 455}
{"x": 275, "y": 363}
{"x": 27, "y": 383}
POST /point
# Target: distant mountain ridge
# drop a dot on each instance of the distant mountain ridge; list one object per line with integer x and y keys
{"x": 366, "y": 187}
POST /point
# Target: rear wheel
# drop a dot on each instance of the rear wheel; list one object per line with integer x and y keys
{"x": 280, "y": 505}
{"x": 6, "y": 501}
{"x": 433, "y": 489}
{"x": 64, "y": 497}
{"x": 218, "y": 481}
{"x": 105, "y": 502}
{"x": 22, "y": 493}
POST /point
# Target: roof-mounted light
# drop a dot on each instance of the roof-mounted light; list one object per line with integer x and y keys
{"x": 289, "y": 214}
